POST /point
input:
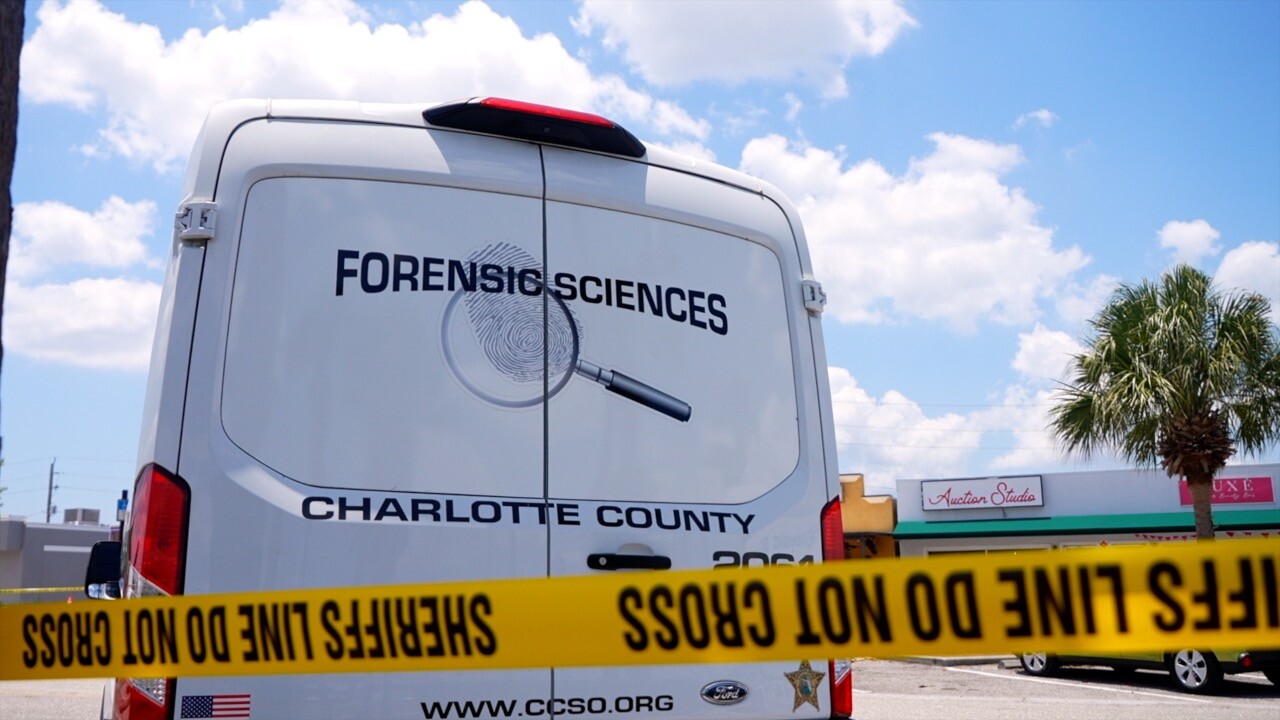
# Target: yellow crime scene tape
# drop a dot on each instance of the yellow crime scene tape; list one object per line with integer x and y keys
{"x": 1139, "y": 598}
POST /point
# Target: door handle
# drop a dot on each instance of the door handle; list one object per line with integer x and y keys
{"x": 616, "y": 561}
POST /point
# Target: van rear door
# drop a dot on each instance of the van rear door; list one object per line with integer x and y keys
{"x": 329, "y": 439}
{"x": 685, "y": 434}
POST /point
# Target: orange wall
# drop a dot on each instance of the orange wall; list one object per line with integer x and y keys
{"x": 868, "y": 521}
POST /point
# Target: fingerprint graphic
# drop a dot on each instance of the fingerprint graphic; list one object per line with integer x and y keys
{"x": 508, "y": 325}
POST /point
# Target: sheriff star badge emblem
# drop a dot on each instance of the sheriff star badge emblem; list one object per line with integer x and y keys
{"x": 805, "y": 681}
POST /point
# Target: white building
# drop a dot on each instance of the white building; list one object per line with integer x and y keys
{"x": 1074, "y": 509}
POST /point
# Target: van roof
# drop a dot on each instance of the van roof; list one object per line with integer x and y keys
{"x": 225, "y": 117}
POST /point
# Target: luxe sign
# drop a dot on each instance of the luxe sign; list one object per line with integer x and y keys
{"x": 1234, "y": 490}
{"x": 1000, "y": 492}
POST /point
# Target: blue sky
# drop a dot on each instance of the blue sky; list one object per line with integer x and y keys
{"x": 974, "y": 178}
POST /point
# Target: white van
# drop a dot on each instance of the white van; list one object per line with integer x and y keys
{"x": 485, "y": 339}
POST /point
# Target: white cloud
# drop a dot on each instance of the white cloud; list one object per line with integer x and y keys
{"x": 1075, "y": 152}
{"x": 692, "y": 149}
{"x": 232, "y": 7}
{"x": 90, "y": 322}
{"x": 1025, "y": 413}
{"x": 794, "y": 106}
{"x": 1043, "y": 354}
{"x": 1042, "y": 117}
{"x": 742, "y": 119}
{"x": 891, "y": 438}
{"x": 960, "y": 155}
{"x": 947, "y": 240}
{"x": 93, "y": 322}
{"x": 677, "y": 43}
{"x": 46, "y": 234}
{"x": 86, "y": 57}
{"x": 1189, "y": 241}
{"x": 1077, "y": 303}
{"x": 1253, "y": 266}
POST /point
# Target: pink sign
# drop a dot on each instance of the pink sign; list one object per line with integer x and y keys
{"x": 1234, "y": 490}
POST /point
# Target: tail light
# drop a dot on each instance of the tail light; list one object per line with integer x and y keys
{"x": 840, "y": 671}
{"x": 832, "y": 532}
{"x": 841, "y": 688}
{"x": 536, "y": 123}
{"x": 156, "y": 566}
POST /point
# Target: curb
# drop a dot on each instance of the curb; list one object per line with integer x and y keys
{"x": 963, "y": 660}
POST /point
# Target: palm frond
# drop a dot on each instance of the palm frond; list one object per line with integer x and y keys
{"x": 1173, "y": 363}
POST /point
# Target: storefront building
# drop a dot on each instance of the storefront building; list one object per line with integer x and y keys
{"x": 47, "y": 555}
{"x": 1055, "y": 510}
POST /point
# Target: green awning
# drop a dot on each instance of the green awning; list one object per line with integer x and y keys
{"x": 1268, "y": 519}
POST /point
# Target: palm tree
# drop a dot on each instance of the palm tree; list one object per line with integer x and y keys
{"x": 1176, "y": 374}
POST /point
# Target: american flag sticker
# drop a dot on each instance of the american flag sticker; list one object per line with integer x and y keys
{"x": 215, "y": 706}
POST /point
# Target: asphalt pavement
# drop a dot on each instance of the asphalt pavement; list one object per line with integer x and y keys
{"x": 51, "y": 699}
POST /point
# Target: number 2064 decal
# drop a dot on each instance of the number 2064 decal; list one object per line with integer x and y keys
{"x": 732, "y": 558}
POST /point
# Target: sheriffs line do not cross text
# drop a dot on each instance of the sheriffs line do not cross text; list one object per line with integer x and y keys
{"x": 1032, "y": 602}
{"x": 1136, "y": 598}
{"x": 425, "y": 626}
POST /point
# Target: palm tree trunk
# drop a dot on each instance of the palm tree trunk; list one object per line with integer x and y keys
{"x": 12, "y": 19}
{"x": 1201, "y": 487}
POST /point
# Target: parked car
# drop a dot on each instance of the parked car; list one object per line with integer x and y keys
{"x": 1195, "y": 671}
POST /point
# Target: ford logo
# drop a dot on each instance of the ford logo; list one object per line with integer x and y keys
{"x": 725, "y": 692}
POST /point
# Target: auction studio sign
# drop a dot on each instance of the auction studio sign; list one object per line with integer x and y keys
{"x": 997, "y": 492}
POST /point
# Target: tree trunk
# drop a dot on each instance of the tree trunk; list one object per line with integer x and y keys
{"x": 11, "y": 23}
{"x": 1201, "y": 487}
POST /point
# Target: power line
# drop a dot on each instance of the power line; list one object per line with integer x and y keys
{"x": 951, "y": 447}
{"x": 119, "y": 478}
{"x": 48, "y": 458}
{"x": 24, "y": 477}
{"x": 908, "y": 428}
{"x": 9, "y": 462}
{"x": 925, "y": 404}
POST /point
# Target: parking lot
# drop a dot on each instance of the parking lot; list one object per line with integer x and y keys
{"x": 887, "y": 690}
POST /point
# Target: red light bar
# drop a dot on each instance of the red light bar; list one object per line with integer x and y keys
{"x": 536, "y": 123}
{"x": 547, "y": 111}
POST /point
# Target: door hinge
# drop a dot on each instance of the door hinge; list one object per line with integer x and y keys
{"x": 196, "y": 221}
{"x": 815, "y": 298}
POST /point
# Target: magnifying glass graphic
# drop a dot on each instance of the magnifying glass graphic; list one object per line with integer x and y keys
{"x": 503, "y": 336}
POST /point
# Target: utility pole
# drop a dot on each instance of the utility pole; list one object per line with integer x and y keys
{"x": 48, "y": 506}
